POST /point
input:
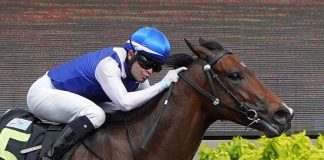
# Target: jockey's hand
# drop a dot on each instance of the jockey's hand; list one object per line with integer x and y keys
{"x": 171, "y": 76}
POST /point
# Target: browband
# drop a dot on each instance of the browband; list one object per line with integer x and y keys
{"x": 214, "y": 59}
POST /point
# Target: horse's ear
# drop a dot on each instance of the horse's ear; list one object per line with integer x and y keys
{"x": 189, "y": 44}
{"x": 201, "y": 41}
{"x": 200, "y": 51}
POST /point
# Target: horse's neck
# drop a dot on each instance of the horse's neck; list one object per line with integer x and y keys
{"x": 177, "y": 135}
{"x": 182, "y": 126}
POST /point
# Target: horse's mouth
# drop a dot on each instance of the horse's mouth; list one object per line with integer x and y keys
{"x": 269, "y": 129}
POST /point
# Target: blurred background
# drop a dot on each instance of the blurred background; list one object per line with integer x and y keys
{"x": 282, "y": 41}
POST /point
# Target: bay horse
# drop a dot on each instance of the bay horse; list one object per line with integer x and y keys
{"x": 216, "y": 86}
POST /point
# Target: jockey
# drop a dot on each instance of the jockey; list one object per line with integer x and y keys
{"x": 73, "y": 92}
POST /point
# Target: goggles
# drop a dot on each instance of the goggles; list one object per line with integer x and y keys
{"x": 147, "y": 63}
{"x": 144, "y": 61}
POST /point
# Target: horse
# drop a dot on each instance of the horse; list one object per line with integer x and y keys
{"x": 216, "y": 86}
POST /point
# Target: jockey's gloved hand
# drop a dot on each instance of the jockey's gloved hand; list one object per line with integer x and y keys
{"x": 171, "y": 76}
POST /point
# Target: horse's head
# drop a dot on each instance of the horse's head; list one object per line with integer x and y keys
{"x": 236, "y": 92}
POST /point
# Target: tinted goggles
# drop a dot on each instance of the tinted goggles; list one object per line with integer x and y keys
{"x": 144, "y": 61}
{"x": 147, "y": 63}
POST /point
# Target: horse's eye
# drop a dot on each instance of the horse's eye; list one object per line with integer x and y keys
{"x": 234, "y": 76}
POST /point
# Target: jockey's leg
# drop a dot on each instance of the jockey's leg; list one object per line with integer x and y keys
{"x": 72, "y": 133}
{"x": 47, "y": 102}
{"x": 56, "y": 105}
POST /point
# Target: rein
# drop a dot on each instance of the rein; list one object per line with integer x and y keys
{"x": 153, "y": 126}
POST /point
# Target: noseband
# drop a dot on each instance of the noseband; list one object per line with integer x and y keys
{"x": 241, "y": 107}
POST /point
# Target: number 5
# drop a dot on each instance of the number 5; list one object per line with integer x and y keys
{"x": 5, "y": 135}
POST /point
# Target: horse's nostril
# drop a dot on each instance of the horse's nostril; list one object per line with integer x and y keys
{"x": 281, "y": 116}
{"x": 281, "y": 113}
{"x": 292, "y": 116}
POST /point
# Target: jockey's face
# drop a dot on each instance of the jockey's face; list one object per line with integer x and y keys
{"x": 140, "y": 74}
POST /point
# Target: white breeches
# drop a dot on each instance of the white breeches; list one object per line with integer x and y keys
{"x": 55, "y": 105}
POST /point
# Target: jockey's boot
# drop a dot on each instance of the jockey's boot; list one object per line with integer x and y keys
{"x": 71, "y": 134}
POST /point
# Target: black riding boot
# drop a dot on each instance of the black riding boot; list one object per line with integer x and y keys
{"x": 72, "y": 133}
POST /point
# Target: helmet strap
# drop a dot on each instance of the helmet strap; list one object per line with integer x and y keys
{"x": 130, "y": 60}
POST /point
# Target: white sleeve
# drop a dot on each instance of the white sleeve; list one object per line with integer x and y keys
{"x": 144, "y": 85}
{"x": 108, "y": 75}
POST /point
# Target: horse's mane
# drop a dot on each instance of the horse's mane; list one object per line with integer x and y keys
{"x": 120, "y": 116}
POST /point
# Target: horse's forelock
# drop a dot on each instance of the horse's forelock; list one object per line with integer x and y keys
{"x": 212, "y": 45}
{"x": 179, "y": 60}
{"x": 184, "y": 60}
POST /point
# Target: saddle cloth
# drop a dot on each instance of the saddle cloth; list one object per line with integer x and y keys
{"x": 25, "y": 137}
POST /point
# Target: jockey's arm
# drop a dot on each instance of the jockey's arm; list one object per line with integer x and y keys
{"x": 109, "y": 76}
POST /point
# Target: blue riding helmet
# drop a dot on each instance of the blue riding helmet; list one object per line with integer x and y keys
{"x": 151, "y": 42}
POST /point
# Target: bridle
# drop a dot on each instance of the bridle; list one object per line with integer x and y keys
{"x": 241, "y": 107}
